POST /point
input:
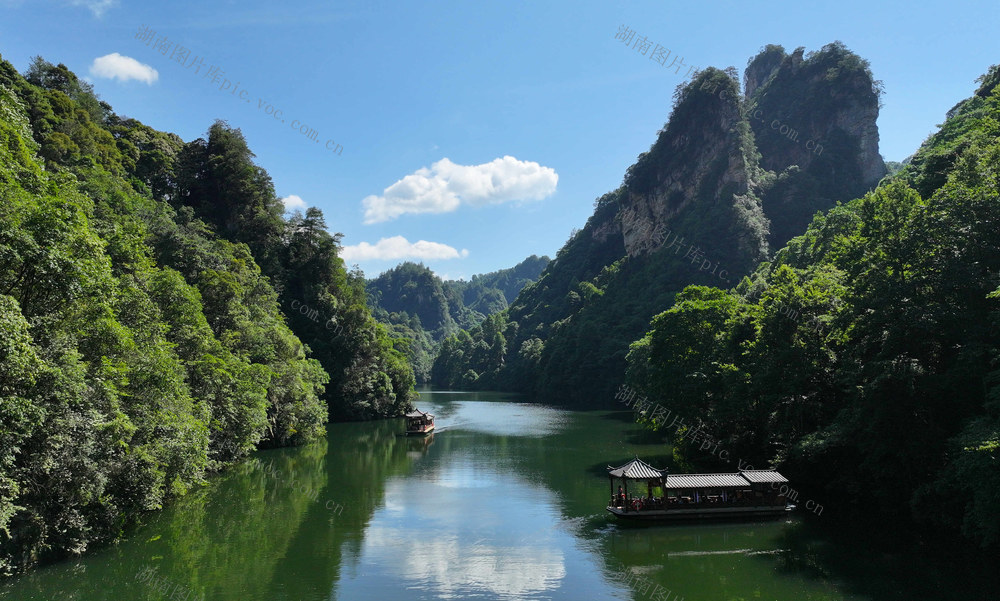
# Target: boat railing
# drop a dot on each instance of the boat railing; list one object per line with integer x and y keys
{"x": 659, "y": 503}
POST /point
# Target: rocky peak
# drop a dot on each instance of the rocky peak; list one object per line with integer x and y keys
{"x": 696, "y": 171}
{"x": 814, "y": 122}
{"x": 810, "y": 119}
{"x": 761, "y": 67}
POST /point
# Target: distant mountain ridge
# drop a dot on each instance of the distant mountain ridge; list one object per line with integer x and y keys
{"x": 424, "y": 309}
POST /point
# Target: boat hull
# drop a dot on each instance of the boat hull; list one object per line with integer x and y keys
{"x": 423, "y": 432}
{"x": 699, "y": 513}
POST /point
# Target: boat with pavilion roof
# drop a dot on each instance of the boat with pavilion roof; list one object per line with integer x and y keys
{"x": 746, "y": 493}
{"x": 419, "y": 423}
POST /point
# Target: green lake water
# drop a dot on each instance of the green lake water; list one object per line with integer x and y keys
{"x": 505, "y": 501}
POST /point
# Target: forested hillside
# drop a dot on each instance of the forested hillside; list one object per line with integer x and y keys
{"x": 420, "y": 307}
{"x": 864, "y": 358}
{"x": 730, "y": 177}
{"x": 151, "y": 328}
{"x": 490, "y": 293}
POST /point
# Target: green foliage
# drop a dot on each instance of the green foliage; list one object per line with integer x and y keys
{"x": 975, "y": 120}
{"x": 414, "y": 290}
{"x": 893, "y": 167}
{"x": 17, "y": 148}
{"x": 218, "y": 183}
{"x": 862, "y": 357}
{"x": 143, "y": 343}
{"x": 865, "y": 357}
{"x": 473, "y": 358}
{"x": 501, "y": 286}
{"x": 421, "y": 308}
{"x": 45, "y": 75}
{"x": 724, "y": 192}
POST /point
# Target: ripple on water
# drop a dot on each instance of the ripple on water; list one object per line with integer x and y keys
{"x": 502, "y": 418}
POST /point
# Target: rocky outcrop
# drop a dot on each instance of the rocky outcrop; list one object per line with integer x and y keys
{"x": 761, "y": 67}
{"x": 814, "y": 124}
{"x": 810, "y": 120}
{"x": 695, "y": 182}
{"x": 729, "y": 180}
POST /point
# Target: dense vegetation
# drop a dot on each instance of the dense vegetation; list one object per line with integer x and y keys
{"x": 144, "y": 289}
{"x": 865, "y": 359}
{"x": 862, "y": 358}
{"x": 697, "y": 208}
{"x": 424, "y": 309}
{"x": 490, "y": 293}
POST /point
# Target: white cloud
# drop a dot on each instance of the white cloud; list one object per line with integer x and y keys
{"x": 124, "y": 68}
{"x": 448, "y": 277}
{"x": 293, "y": 203}
{"x": 96, "y": 6}
{"x": 398, "y": 247}
{"x": 445, "y": 186}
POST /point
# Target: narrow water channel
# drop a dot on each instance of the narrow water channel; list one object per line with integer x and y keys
{"x": 505, "y": 501}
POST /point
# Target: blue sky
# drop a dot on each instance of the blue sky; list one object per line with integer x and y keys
{"x": 501, "y": 122}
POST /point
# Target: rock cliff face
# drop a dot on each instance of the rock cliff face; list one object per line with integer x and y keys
{"x": 762, "y": 66}
{"x": 697, "y": 164}
{"x": 729, "y": 180}
{"x": 825, "y": 96}
{"x": 814, "y": 124}
{"x": 697, "y": 180}
{"x": 802, "y": 137}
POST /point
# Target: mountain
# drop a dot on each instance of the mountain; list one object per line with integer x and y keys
{"x": 159, "y": 318}
{"x": 424, "y": 309}
{"x": 864, "y": 360}
{"x": 730, "y": 178}
{"x": 492, "y": 292}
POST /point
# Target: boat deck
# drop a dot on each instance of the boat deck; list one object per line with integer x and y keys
{"x": 420, "y": 432}
{"x": 705, "y": 512}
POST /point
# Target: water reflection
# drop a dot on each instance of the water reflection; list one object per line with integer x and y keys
{"x": 505, "y": 501}
{"x": 467, "y": 523}
{"x": 498, "y": 417}
{"x": 450, "y": 566}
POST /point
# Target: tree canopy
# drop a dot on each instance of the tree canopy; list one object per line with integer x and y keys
{"x": 150, "y": 330}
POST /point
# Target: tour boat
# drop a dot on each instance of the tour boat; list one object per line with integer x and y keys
{"x": 747, "y": 493}
{"x": 419, "y": 423}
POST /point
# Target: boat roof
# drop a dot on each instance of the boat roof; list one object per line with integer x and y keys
{"x": 637, "y": 469}
{"x": 763, "y": 476}
{"x": 706, "y": 481}
{"x": 419, "y": 413}
{"x": 741, "y": 479}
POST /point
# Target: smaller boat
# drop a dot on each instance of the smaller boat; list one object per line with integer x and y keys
{"x": 419, "y": 423}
